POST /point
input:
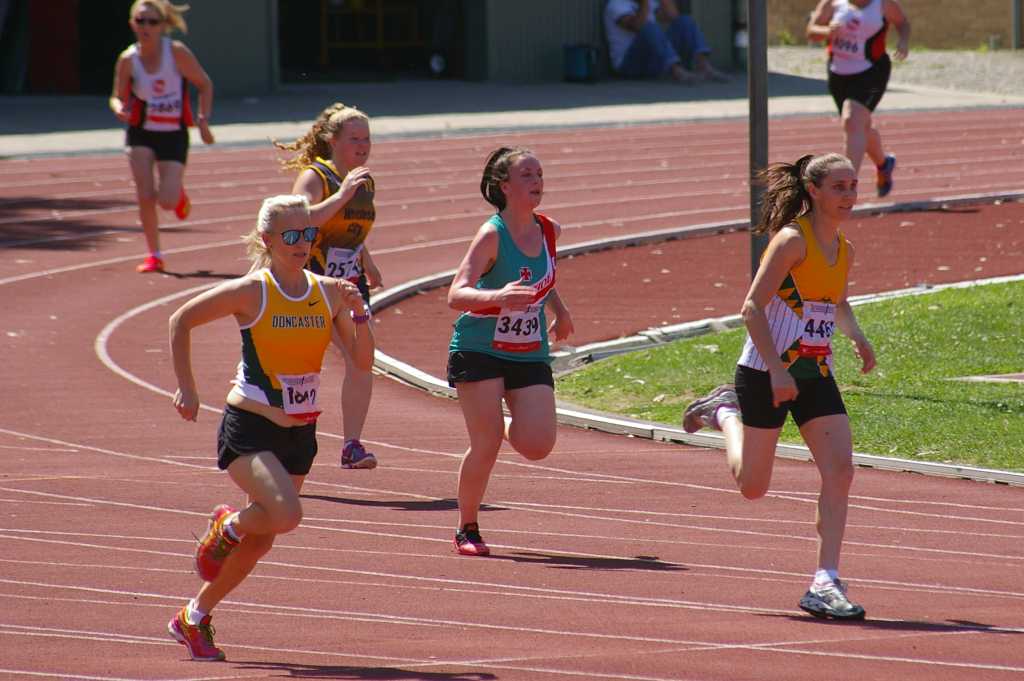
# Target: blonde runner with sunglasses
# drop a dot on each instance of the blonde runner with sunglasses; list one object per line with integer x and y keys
{"x": 267, "y": 437}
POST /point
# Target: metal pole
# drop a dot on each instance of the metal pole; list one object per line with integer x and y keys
{"x": 757, "y": 92}
{"x": 1016, "y": 24}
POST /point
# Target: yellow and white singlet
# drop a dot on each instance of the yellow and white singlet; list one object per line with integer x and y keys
{"x": 283, "y": 348}
{"x": 802, "y": 313}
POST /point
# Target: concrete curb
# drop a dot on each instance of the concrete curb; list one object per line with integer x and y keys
{"x": 617, "y": 424}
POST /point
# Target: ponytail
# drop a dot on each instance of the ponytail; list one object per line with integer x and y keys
{"x": 786, "y": 197}
{"x": 496, "y": 171}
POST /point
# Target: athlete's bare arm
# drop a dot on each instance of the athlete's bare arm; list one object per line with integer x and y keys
{"x": 239, "y": 297}
{"x": 194, "y": 73}
{"x": 820, "y": 26}
{"x": 122, "y": 88}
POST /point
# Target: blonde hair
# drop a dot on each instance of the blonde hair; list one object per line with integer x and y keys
{"x": 317, "y": 142}
{"x": 272, "y": 209}
{"x": 170, "y": 13}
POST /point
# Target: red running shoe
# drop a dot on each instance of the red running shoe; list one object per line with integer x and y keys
{"x": 198, "y": 639}
{"x": 468, "y": 541}
{"x": 215, "y": 546}
{"x": 150, "y": 264}
{"x": 184, "y": 206}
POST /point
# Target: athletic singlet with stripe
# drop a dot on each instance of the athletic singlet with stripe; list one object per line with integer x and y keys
{"x": 515, "y": 335}
{"x": 801, "y": 315}
{"x": 283, "y": 348}
{"x": 159, "y": 100}
{"x": 860, "y": 40}
{"x": 336, "y": 251}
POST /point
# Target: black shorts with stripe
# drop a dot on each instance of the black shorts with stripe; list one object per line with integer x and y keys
{"x": 167, "y": 146}
{"x": 866, "y": 87}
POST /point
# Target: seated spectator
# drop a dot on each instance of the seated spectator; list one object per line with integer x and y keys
{"x": 652, "y": 38}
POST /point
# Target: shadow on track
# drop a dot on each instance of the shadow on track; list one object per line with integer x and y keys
{"x": 570, "y": 562}
{"x": 401, "y": 504}
{"x": 314, "y": 671}
{"x": 947, "y": 627}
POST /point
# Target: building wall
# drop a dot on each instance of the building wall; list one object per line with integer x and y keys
{"x": 526, "y": 38}
{"x": 936, "y": 24}
{"x": 236, "y": 42}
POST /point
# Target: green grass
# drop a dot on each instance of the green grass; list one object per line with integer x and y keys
{"x": 907, "y": 407}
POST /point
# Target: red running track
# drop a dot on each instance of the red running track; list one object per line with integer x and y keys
{"x": 614, "y": 558}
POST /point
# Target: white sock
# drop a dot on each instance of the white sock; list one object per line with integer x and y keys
{"x": 231, "y": 527}
{"x": 825, "y": 576}
{"x": 194, "y": 615}
{"x": 156, "y": 254}
{"x": 723, "y": 412}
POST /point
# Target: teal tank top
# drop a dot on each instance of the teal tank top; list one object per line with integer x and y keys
{"x": 516, "y": 336}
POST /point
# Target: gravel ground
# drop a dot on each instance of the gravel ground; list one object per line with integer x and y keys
{"x": 998, "y": 72}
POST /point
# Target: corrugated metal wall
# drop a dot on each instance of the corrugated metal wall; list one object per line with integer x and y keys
{"x": 525, "y": 38}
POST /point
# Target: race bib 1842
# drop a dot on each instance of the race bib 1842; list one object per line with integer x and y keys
{"x": 299, "y": 393}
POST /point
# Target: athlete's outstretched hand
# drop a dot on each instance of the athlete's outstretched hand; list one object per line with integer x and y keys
{"x": 562, "y": 326}
{"x": 187, "y": 403}
{"x": 356, "y": 178}
{"x": 866, "y": 354}
{"x": 351, "y": 298}
{"x": 516, "y": 295}
{"x": 783, "y": 387}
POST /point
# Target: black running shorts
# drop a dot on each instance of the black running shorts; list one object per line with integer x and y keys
{"x": 167, "y": 146}
{"x": 467, "y": 367}
{"x": 866, "y": 87}
{"x": 243, "y": 433}
{"x": 815, "y": 397}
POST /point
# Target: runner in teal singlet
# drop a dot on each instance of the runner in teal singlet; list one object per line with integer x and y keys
{"x": 499, "y": 349}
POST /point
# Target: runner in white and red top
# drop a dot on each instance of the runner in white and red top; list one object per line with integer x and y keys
{"x": 150, "y": 94}
{"x": 858, "y": 71}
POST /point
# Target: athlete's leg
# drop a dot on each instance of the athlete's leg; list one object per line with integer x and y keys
{"x": 750, "y": 453}
{"x": 831, "y": 444}
{"x": 874, "y": 146}
{"x": 172, "y": 175}
{"x": 533, "y": 426}
{"x": 356, "y": 391}
{"x": 481, "y": 408}
{"x": 273, "y": 509}
{"x": 856, "y": 122}
{"x": 142, "y": 160}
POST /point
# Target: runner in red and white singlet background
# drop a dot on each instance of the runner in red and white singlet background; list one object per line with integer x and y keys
{"x": 858, "y": 71}
{"x": 150, "y": 94}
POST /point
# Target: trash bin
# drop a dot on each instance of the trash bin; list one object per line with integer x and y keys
{"x": 581, "y": 63}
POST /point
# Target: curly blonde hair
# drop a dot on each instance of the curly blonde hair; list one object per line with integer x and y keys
{"x": 169, "y": 12}
{"x": 317, "y": 142}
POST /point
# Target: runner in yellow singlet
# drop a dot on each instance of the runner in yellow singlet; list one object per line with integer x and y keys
{"x": 795, "y": 303}
{"x": 267, "y": 437}
{"x": 333, "y": 175}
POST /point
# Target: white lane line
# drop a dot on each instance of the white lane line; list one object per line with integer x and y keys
{"x": 75, "y": 676}
{"x": 680, "y": 645}
{"x": 531, "y": 550}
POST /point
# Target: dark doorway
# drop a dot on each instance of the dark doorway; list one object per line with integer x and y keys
{"x": 61, "y": 46}
{"x": 330, "y": 40}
